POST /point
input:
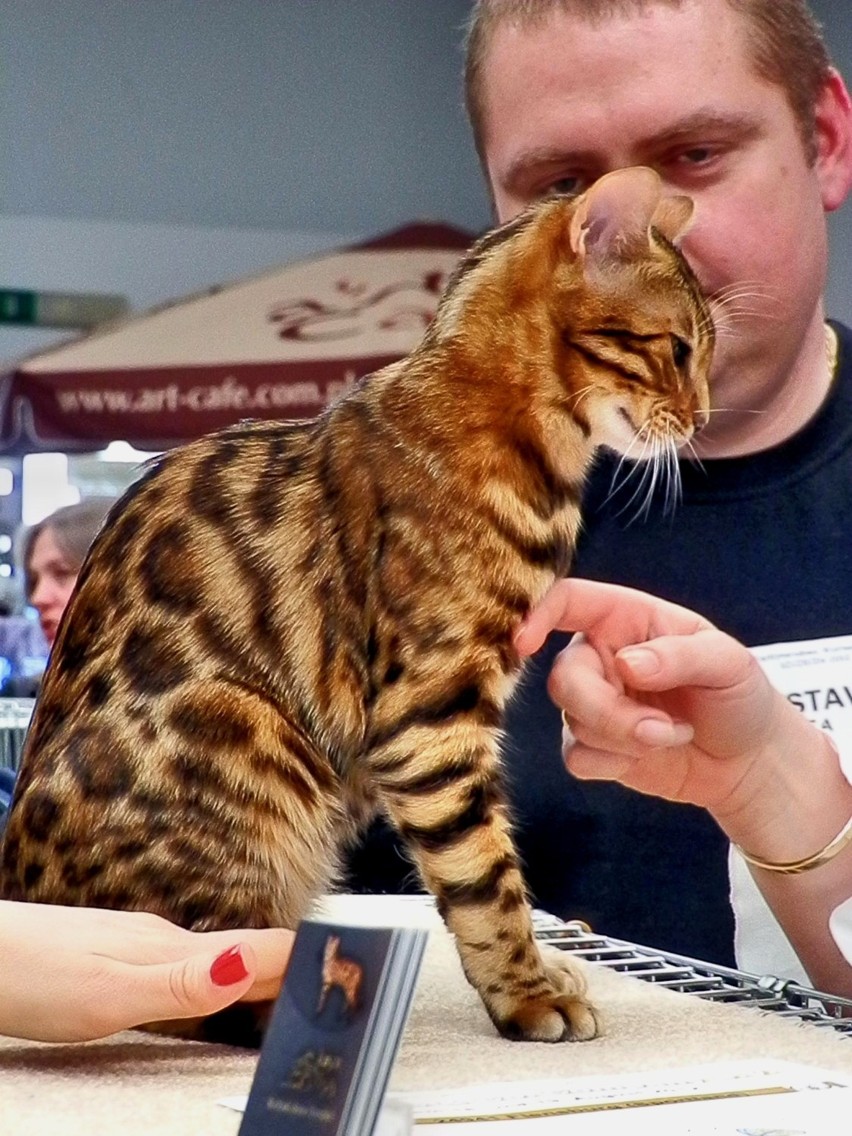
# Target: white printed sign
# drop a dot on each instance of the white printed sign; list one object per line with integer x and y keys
{"x": 816, "y": 676}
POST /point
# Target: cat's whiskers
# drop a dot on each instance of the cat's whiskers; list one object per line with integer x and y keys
{"x": 643, "y": 466}
{"x": 729, "y": 327}
{"x": 690, "y": 454}
{"x": 574, "y": 400}
{"x": 728, "y": 306}
{"x": 742, "y": 291}
{"x": 734, "y": 410}
{"x": 659, "y": 473}
{"x": 705, "y": 324}
{"x": 616, "y": 484}
{"x": 673, "y": 485}
{"x": 650, "y": 476}
{"x": 665, "y": 477}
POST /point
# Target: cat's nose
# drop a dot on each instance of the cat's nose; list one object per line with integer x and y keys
{"x": 700, "y": 418}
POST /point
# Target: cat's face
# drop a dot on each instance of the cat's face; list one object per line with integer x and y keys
{"x": 647, "y": 343}
{"x": 587, "y": 324}
{"x": 633, "y": 335}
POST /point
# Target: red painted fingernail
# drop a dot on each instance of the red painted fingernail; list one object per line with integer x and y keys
{"x": 228, "y": 968}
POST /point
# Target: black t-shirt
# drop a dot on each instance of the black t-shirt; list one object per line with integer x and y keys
{"x": 760, "y": 546}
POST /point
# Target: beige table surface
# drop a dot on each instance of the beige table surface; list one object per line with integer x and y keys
{"x": 134, "y": 1083}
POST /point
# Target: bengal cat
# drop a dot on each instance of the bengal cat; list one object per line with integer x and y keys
{"x": 285, "y": 626}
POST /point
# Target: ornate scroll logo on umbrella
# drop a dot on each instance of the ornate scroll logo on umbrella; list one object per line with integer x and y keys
{"x": 410, "y": 304}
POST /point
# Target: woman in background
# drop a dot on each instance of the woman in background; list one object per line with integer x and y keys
{"x": 52, "y": 553}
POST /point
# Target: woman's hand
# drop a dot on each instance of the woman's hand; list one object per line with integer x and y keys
{"x": 76, "y": 973}
{"x": 660, "y": 700}
{"x": 656, "y": 697}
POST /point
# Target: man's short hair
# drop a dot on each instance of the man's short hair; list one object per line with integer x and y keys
{"x": 786, "y": 42}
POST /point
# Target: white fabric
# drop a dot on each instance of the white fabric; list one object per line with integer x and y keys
{"x": 760, "y": 945}
{"x": 840, "y": 925}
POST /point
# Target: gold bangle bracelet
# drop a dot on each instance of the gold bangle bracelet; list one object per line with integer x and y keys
{"x": 793, "y": 867}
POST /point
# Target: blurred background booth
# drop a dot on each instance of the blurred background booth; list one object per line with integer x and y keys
{"x": 283, "y": 344}
{"x": 77, "y": 417}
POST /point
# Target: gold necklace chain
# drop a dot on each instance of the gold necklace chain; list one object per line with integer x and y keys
{"x": 831, "y": 349}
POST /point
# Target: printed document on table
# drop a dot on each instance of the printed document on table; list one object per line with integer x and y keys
{"x": 806, "y": 1113}
{"x": 515, "y": 1100}
{"x": 737, "y": 1098}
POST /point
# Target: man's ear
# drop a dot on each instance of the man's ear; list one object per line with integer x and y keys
{"x": 833, "y": 137}
{"x": 615, "y": 214}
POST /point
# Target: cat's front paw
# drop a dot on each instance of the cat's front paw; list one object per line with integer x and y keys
{"x": 557, "y": 1011}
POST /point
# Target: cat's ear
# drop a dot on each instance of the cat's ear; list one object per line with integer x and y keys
{"x": 673, "y": 217}
{"x": 615, "y": 214}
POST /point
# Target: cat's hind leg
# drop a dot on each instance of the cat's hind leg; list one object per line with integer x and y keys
{"x": 239, "y": 758}
{"x": 260, "y": 807}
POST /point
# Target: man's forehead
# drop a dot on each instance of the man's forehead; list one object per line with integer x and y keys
{"x": 555, "y": 21}
{"x": 545, "y": 55}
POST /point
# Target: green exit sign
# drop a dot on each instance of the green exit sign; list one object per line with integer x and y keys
{"x": 17, "y": 307}
{"x": 59, "y": 309}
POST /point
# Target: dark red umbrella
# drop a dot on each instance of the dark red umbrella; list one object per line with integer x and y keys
{"x": 279, "y": 345}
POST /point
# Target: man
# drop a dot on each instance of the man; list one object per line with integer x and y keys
{"x": 733, "y": 102}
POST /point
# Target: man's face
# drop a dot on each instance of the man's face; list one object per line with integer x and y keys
{"x": 675, "y": 89}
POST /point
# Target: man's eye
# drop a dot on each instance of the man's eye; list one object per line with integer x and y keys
{"x": 566, "y": 185}
{"x": 697, "y": 156}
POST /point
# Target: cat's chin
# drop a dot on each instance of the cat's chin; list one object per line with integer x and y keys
{"x": 615, "y": 430}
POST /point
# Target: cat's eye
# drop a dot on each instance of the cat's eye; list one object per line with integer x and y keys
{"x": 681, "y": 351}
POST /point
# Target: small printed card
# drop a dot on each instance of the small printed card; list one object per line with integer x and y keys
{"x": 335, "y": 1031}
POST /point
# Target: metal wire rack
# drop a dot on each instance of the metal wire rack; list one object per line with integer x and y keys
{"x": 15, "y": 714}
{"x": 704, "y": 980}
